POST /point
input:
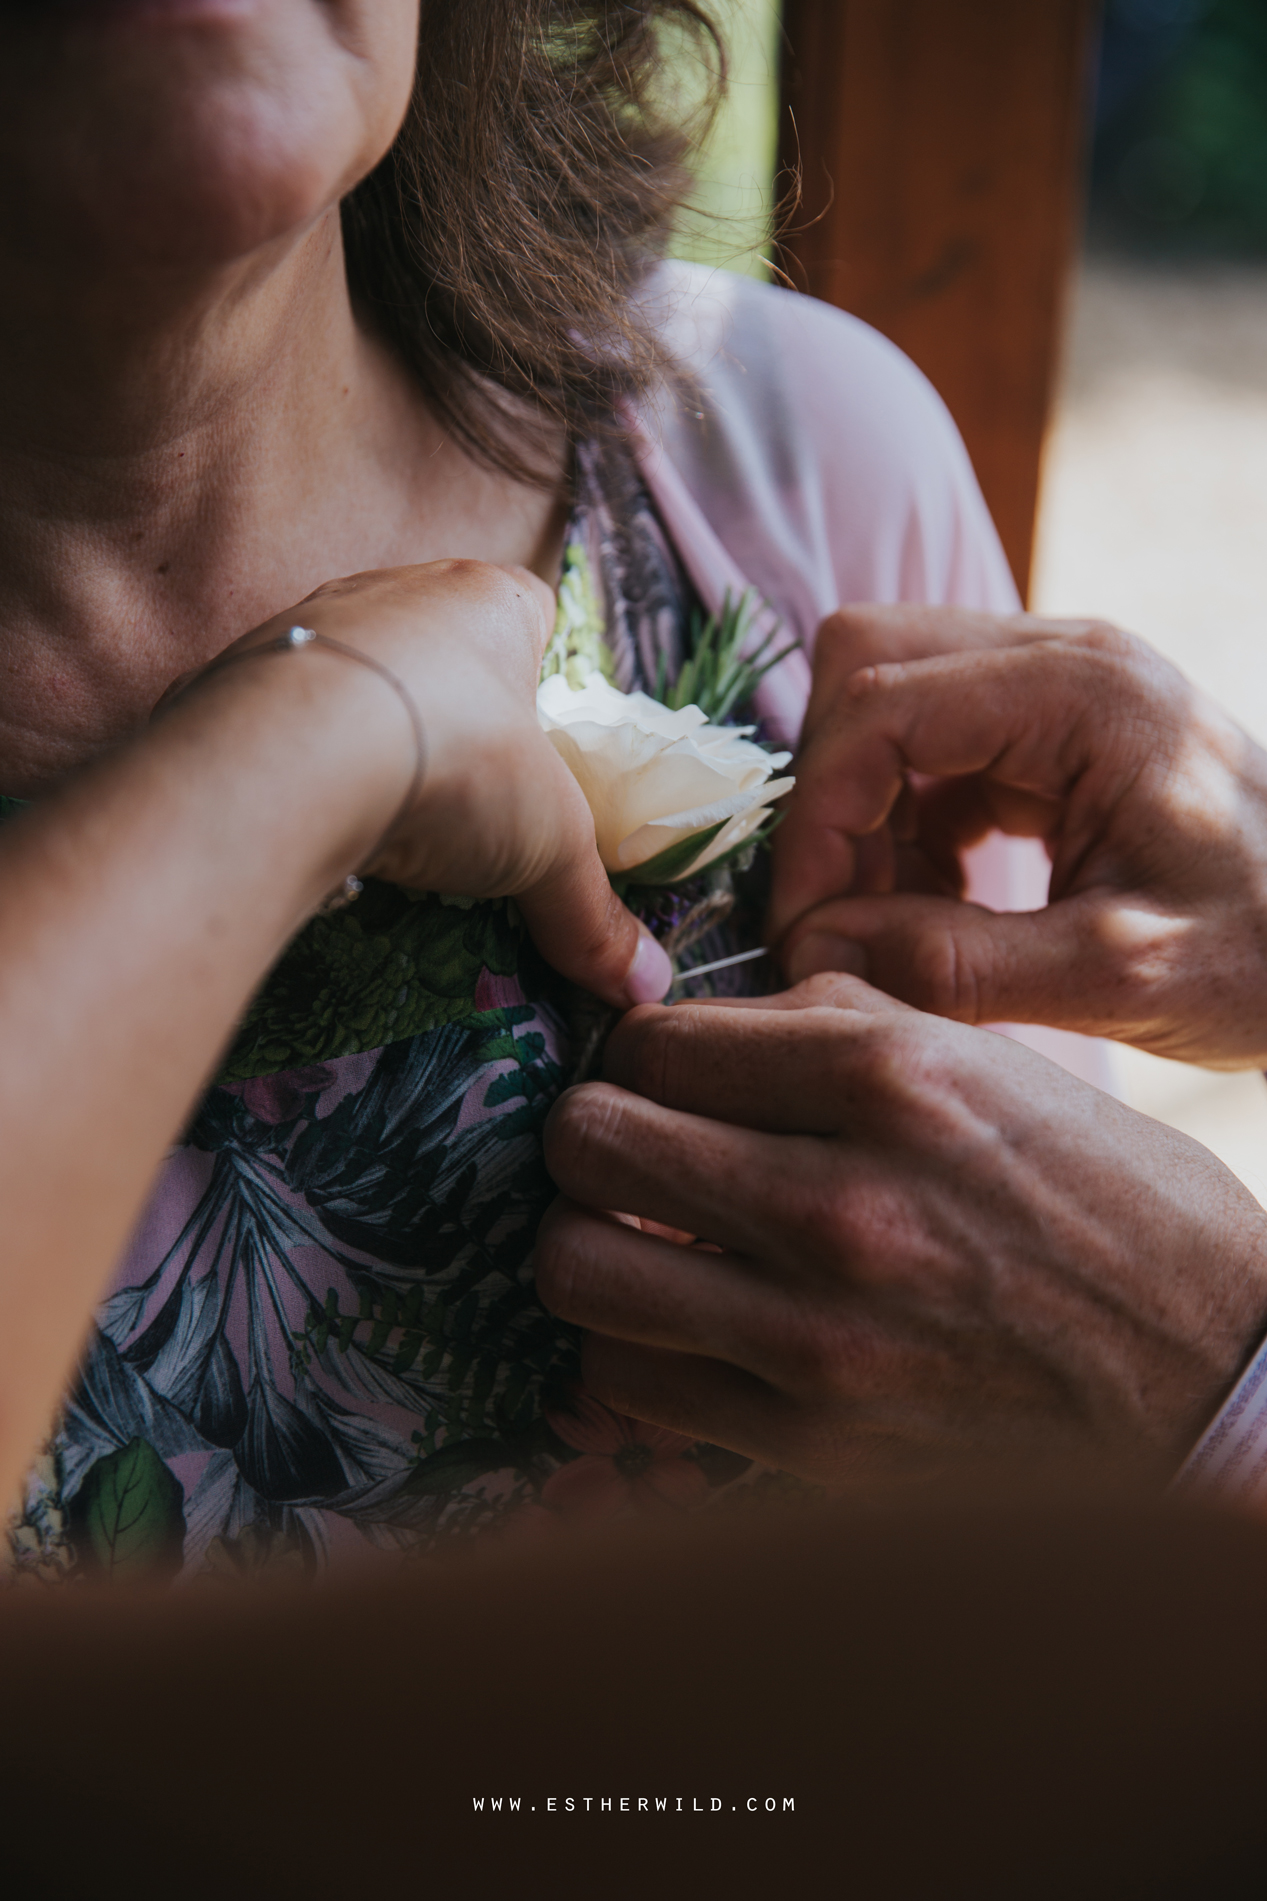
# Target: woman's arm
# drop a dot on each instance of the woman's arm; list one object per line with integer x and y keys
{"x": 142, "y": 903}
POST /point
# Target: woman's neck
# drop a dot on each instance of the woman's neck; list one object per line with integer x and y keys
{"x": 179, "y": 460}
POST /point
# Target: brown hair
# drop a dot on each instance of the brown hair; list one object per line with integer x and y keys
{"x": 501, "y": 241}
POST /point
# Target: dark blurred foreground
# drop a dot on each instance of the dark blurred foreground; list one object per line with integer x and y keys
{"x": 978, "y": 1703}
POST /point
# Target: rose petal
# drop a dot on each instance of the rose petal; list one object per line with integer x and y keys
{"x": 649, "y": 840}
{"x": 653, "y": 777}
{"x": 739, "y": 828}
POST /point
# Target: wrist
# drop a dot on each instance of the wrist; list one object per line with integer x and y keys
{"x": 1226, "y": 1327}
{"x": 327, "y": 747}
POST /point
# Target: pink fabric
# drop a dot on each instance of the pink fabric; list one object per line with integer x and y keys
{"x": 809, "y": 459}
{"x": 784, "y": 693}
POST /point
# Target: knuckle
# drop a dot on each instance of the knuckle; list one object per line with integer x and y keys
{"x": 507, "y": 591}
{"x": 575, "y": 1255}
{"x": 863, "y": 634}
{"x": 558, "y": 1267}
{"x": 1106, "y": 640}
{"x": 905, "y": 1080}
{"x": 580, "y": 1128}
{"x": 825, "y": 1216}
{"x": 828, "y": 990}
{"x": 1127, "y": 674}
{"x": 868, "y": 1066}
{"x": 844, "y": 639}
{"x": 465, "y": 571}
{"x": 827, "y": 1356}
{"x": 1138, "y": 957}
{"x": 327, "y": 589}
{"x": 812, "y": 1358}
{"x": 946, "y": 972}
{"x": 489, "y": 588}
{"x": 675, "y": 1057}
{"x": 650, "y": 1051}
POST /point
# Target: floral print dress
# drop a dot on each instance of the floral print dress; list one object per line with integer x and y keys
{"x": 325, "y": 1339}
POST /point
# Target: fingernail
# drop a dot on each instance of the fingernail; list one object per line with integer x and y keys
{"x": 819, "y": 952}
{"x": 650, "y": 973}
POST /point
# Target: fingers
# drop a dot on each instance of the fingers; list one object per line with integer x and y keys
{"x": 612, "y": 1149}
{"x": 1033, "y": 718}
{"x": 575, "y": 918}
{"x": 598, "y": 1273}
{"x": 868, "y": 635}
{"x": 686, "y": 1392}
{"x": 818, "y": 857}
{"x": 791, "y": 1064}
{"x": 1088, "y": 963}
{"x": 949, "y": 816}
{"x": 828, "y": 1443}
{"x": 584, "y": 931}
{"x": 697, "y": 1343}
{"x": 439, "y": 624}
{"x": 833, "y": 991}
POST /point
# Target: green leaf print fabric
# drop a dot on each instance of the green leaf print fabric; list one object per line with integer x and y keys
{"x": 395, "y": 964}
{"x": 129, "y": 1512}
{"x": 325, "y": 1335}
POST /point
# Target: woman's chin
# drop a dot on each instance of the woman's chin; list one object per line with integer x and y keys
{"x": 185, "y": 195}
{"x": 157, "y": 147}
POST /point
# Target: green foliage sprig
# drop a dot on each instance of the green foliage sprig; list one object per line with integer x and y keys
{"x": 717, "y": 675}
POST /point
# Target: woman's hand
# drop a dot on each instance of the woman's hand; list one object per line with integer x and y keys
{"x": 147, "y": 896}
{"x": 499, "y": 814}
{"x": 1152, "y": 804}
{"x": 927, "y": 1244}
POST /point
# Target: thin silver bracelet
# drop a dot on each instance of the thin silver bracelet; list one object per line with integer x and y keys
{"x": 295, "y": 641}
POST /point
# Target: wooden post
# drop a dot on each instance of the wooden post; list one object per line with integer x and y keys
{"x": 940, "y": 143}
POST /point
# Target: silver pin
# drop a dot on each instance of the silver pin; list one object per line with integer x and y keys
{"x": 723, "y": 963}
{"x": 300, "y": 636}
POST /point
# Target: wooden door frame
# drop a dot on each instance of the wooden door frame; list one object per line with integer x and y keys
{"x": 940, "y": 148}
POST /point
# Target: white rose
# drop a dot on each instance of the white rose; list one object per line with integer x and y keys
{"x": 654, "y": 778}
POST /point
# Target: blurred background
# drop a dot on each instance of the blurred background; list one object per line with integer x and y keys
{"x": 1153, "y": 495}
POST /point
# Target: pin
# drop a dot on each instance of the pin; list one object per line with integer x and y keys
{"x": 723, "y": 963}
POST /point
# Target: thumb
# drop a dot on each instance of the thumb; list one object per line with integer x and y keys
{"x": 584, "y": 931}
{"x": 958, "y": 960}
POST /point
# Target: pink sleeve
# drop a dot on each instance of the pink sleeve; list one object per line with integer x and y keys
{"x": 810, "y": 459}
{"x": 823, "y": 463}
